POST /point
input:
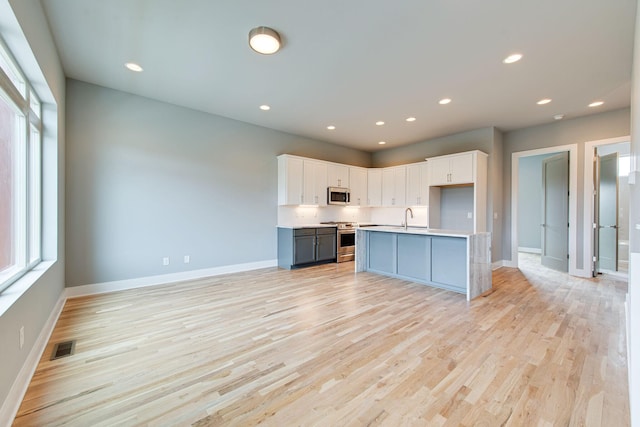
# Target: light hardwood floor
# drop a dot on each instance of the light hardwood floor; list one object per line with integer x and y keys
{"x": 324, "y": 346}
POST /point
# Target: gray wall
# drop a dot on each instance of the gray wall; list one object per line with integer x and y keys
{"x": 455, "y": 204}
{"x": 34, "y": 307}
{"x": 488, "y": 140}
{"x": 148, "y": 180}
{"x": 573, "y": 131}
{"x": 530, "y": 201}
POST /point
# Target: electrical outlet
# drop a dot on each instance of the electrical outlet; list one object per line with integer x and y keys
{"x": 21, "y": 337}
{"x": 165, "y": 260}
{"x": 187, "y": 259}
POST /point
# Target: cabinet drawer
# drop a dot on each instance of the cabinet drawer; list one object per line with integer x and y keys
{"x": 304, "y": 232}
{"x": 329, "y": 230}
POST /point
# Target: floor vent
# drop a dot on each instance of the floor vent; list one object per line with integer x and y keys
{"x": 63, "y": 349}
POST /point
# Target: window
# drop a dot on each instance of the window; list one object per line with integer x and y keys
{"x": 20, "y": 173}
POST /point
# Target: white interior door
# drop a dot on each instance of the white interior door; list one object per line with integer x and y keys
{"x": 555, "y": 212}
{"x": 606, "y": 212}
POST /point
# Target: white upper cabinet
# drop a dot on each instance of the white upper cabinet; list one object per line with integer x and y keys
{"x": 394, "y": 186}
{"x": 337, "y": 175}
{"x": 301, "y": 181}
{"x": 374, "y": 187}
{"x": 418, "y": 184}
{"x": 290, "y": 180}
{"x": 358, "y": 186}
{"x": 453, "y": 169}
{"x": 315, "y": 183}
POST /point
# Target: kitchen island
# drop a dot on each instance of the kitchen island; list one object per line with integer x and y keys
{"x": 454, "y": 260}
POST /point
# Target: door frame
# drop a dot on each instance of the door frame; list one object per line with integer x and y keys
{"x": 588, "y": 238}
{"x": 573, "y": 203}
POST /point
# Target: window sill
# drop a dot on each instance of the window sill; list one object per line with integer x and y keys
{"x": 13, "y": 293}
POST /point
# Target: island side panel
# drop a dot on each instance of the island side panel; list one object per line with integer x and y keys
{"x": 362, "y": 238}
{"x": 480, "y": 278}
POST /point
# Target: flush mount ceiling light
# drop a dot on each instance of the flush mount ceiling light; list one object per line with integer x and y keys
{"x": 543, "y": 101}
{"x": 133, "y": 67}
{"x": 410, "y": 119}
{"x": 515, "y": 57}
{"x": 379, "y": 123}
{"x": 382, "y": 142}
{"x": 264, "y": 40}
{"x": 331, "y": 127}
{"x": 444, "y": 101}
{"x": 265, "y": 107}
{"x": 558, "y": 117}
{"x": 596, "y": 104}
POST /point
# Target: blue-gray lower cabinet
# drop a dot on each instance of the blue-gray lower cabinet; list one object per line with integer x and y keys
{"x": 382, "y": 252}
{"x": 449, "y": 261}
{"x": 414, "y": 256}
{"x": 301, "y": 247}
{"x": 434, "y": 260}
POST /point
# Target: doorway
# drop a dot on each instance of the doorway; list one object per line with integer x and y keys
{"x": 610, "y": 247}
{"x": 522, "y": 231}
{"x": 543, "y": 210}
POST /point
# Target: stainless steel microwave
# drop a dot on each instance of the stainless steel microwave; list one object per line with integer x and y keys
{"x": 338, "y": 196}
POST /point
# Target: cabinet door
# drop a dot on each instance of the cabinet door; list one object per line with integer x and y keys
{"x": 388, "y": 187}
{"x": 449, "y": 261}
{"x": 326, "y": 246}
{"x": 461, "y": 169}
{"x": 374, "y": 187}
{"x": 414, "y": 256}
{"x": 439, "y": 171}
{"x": 337, "y": 176}
{"x": 400, "y": 186}
{"x": 315, "y": 183}
{"x": 304, "y": 249}
{"x": 418, "y": 184}
{"x": 394, "y": 186}
{"x": 382, "y": 252}
{"x": 290, "y": 178}
{"x": 358, "y": 186}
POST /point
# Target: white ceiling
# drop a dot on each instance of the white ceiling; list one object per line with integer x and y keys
{"x": 352, "y": 63}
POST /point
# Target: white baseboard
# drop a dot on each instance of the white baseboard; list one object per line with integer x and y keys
{"x": 529, "y": 250}
{"x": 497, "y": 264}
{"x": 141, "y": 282}
{"x": 19, "y": 388}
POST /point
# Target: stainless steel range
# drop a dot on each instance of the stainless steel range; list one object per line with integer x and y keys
{"x": 346, "y": 246}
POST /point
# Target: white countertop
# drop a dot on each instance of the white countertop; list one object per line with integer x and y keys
{"x": 418, "y": 230}
{"x": 307, "y": 226}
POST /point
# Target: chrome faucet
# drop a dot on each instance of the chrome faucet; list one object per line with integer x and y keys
{"x": 405, "y": 216}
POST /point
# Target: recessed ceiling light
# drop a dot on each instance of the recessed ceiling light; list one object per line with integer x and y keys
{"x": 544, "y": 101}
{"x": 331, "y": 127}
{"x": 382, "y": 142}
{"x": 558, "y": 116}
{"x": 444, "y": 101}
{"x": 379, "y": 123}
{"x": 515, "y": 57}
{"x": 596, "y": 104}
{"x": 265, "y": 107}
{"x": 133, "y": 67}
{"x": 264, "y": 40}
{"x": 411, "y": 119}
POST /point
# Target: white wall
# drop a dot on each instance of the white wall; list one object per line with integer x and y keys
{"x": 633, "y": 325}
{"x": 25, "y": 30}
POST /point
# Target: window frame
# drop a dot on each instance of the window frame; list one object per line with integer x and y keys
{"x": 27, "y": 243}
